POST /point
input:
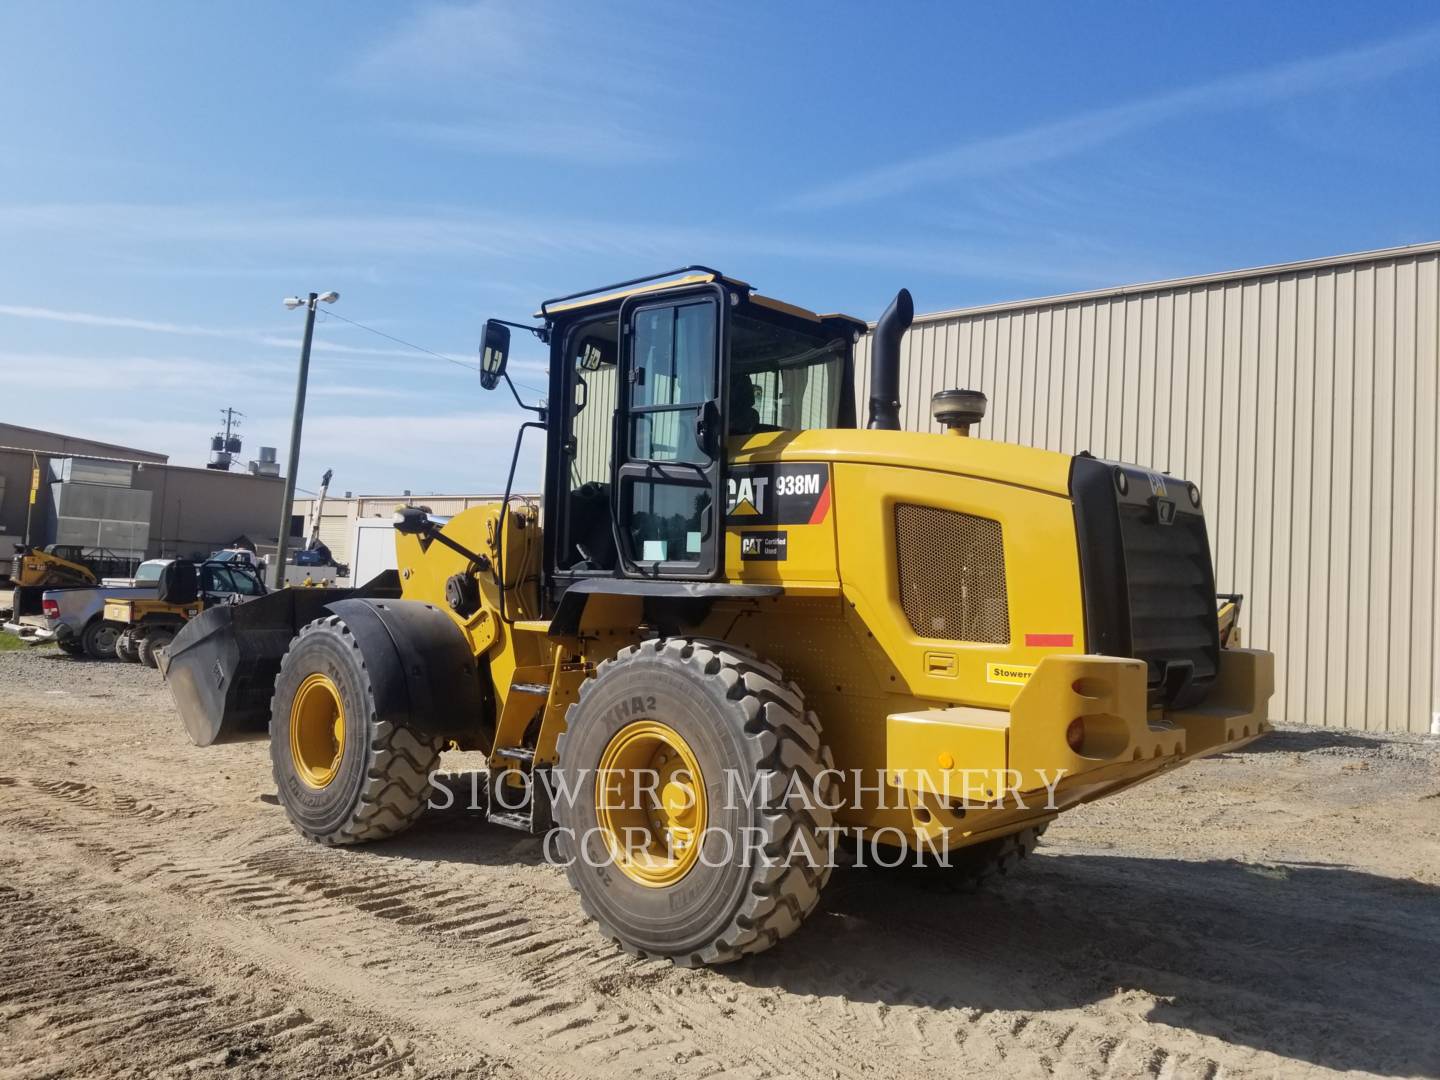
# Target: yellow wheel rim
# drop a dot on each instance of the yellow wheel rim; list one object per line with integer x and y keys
{"x": 650, "y": 803}
{"x": 317, "y": 730}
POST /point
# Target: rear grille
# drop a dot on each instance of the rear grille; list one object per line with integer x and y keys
{"x": 1149, "y": 585}
{"x": 1172, "y": 600}
{"x": 952, "y": 574}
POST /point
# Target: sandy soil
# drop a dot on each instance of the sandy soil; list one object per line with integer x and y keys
{"x": 1274, "y": 912}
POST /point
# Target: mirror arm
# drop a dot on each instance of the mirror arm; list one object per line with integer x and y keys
{"x": 538, "y": 410}
{"x": 541, "y": 332}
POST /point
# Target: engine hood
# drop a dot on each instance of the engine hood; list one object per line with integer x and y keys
{"x": 981, "y": 459}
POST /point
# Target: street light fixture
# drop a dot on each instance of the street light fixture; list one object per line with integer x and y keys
{"x": 277, "y": 574}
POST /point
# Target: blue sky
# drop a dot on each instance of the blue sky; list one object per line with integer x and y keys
{"x": 168, "y": 173}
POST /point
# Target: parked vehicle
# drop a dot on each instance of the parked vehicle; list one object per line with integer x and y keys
{"x": 75, "y": 617}
{"x": 148, "y": 624}
{"x": 104, "y": 622}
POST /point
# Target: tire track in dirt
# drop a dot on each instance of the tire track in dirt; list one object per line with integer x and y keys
{"x": 339, "y": 911}
{"x": 454, "y": 940}
{"x": 75, "y": 1003}
{"x": 292, "y": 913}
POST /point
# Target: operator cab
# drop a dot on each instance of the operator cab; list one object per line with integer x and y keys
{"x": 654, "y": 384}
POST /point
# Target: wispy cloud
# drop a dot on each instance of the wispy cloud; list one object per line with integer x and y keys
{"x": 151, "y": 326}
{"x": 480, "y": 238}
{"x": 592, "y": 142}
{"x": 1084, "y": 131}
{"x": 36, "y": 370}
{"x": 505, "y": 78}
{"x": 114, "y": 322}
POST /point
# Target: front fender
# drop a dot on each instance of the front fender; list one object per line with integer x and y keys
{"x": 415, "y": 648}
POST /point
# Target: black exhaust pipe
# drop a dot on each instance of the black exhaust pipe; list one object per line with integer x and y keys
{"x": 885, "y": 362}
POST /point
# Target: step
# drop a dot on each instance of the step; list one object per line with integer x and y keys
{"x": 516, "y": 753}
{"x": 540, "y": 688}
{"x": 510, "y": 820}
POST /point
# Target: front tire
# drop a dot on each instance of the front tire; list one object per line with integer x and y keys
{"x": 127, "y": 649}
{"x": 737, "y": 867}
{"x": 151, "y": 644}
{"x": 345, "y": 775}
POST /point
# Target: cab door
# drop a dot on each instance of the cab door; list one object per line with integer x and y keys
{"x": 668, "y": 472}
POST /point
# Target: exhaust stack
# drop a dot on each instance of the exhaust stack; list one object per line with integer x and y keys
{"x": 885, "y": 362}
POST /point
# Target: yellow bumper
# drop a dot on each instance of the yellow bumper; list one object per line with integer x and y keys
{"x": 976, "y": 759}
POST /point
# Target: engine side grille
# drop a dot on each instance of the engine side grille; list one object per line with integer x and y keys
{"x": 952, "y": 574}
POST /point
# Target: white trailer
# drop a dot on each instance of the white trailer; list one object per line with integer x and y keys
{"x": 372, "y": 548}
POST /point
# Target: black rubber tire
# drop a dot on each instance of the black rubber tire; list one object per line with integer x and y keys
{"x": 127, "y": 649}
{"x": 979, "y": 865}
{"x": 737, "y": 712}
{"x": 151, "y": 643}
{"x": 71, "y": 646}
{"x": 98, "y": 639}
{"x": 383, "y": 782}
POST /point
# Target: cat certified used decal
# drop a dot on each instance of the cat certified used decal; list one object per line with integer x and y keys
{"x": 764, "y": 546}
{"x": 788, "y": 494}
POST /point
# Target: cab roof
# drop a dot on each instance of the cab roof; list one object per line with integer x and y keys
{"x": 674, "y": 279}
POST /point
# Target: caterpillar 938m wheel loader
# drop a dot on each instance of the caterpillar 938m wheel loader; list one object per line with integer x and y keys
{"x": 739, "y": 622}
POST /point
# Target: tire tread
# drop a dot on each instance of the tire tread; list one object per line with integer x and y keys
{"x": 398, "y": 763}
{"x": 783, "y": 739}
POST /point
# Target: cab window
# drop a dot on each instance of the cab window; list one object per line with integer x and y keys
{"x": 782, "y": 378}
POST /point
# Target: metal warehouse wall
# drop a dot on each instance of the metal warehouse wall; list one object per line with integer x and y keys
{"x": 1301, "y": 398}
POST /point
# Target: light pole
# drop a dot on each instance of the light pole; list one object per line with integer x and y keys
{"x": 277, "y": 572}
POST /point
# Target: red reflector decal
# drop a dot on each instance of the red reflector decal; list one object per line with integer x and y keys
{"x": 1050, "y": 641}
{"x": 822, "y": 506}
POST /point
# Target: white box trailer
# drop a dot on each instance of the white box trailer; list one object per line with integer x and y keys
{"x": 372, "y": 548}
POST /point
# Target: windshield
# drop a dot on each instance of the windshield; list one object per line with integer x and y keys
{"x": 783, "y": 379}
{"x": 227, "y": 579}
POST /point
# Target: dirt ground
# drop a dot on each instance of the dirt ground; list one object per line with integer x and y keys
{"x": 1270, "y": 913}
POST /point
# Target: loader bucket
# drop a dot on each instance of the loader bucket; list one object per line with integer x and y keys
{"x": 221, "y": 667}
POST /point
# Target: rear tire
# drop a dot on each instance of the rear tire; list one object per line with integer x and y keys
{"x": 151, "y": 644}
{"x": 980, "y": 865}
{"x": 739, "y": 720}
{"x": 98, "y": 639}
{"x": 127, "y": 648}
{"x": 377, "y": 782}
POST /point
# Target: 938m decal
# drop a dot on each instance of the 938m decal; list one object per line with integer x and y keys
{"x": 778, "y": 494}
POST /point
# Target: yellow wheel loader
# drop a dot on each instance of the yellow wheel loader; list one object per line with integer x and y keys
{"x": 740, "y": 625}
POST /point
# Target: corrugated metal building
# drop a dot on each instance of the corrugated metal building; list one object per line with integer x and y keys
{"x": 1302, "y": 398}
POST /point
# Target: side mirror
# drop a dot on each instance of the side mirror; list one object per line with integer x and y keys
{"x": 494, "y": 353}
{"x": 596, "y": 353}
